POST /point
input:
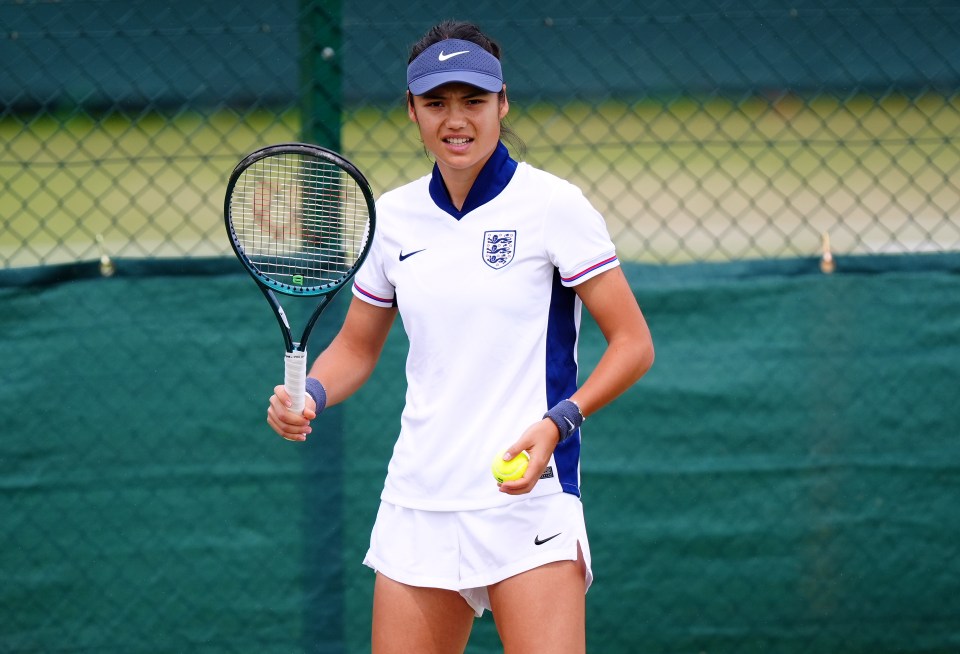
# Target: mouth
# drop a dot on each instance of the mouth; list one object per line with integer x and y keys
{"x": 457, "y": 140}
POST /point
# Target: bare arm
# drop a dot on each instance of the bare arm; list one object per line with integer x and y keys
{"x": 628, "y": 356}
{"x": 629, "y": 352}
{"x": 342, "y": 368}
{"x": 351, "y": 357}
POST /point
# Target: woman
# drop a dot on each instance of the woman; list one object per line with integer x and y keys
{"x": 488, "y": 261}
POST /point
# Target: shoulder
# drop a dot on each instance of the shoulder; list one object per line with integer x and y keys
{"x": 401, "y": 196}
{"x": 533, "y": 175}
{"x": 548, "y": 184}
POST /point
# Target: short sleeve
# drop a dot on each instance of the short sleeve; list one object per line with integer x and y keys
{"x": 371, "y": 283}
{"x": 577, "y": 239}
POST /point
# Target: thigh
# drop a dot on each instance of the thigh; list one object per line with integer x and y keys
{"x": 542, "y": 610}
{"x": 418, "y": 619}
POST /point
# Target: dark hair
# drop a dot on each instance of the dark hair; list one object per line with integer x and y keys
{"x": 454, "y": 29}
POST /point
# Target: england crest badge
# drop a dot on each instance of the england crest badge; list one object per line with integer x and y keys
{"x": 498, "y": 248}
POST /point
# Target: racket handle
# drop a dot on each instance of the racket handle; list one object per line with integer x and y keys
{"x": 295, "y": 379}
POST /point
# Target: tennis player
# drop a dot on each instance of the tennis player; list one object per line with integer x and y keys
{"x": 488, "y": 261}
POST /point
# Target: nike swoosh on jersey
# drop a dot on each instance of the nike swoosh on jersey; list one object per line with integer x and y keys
{"x": 444, "y": 57}
{"x": 410, "y": 254}
{"x": 537, "y": 541}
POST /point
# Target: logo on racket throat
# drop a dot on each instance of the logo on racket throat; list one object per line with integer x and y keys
{"x": 498, "y": 248}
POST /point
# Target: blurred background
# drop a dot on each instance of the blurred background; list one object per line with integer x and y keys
{"x": 782, "y": 181}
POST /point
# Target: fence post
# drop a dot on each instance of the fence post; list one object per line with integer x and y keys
{"x": 321, "y": 75}
{"x": 321, "y": 41}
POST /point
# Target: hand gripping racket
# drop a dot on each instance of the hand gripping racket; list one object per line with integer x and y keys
{"x": 301, "y": 220}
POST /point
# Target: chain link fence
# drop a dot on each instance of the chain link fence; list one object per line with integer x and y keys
{"x": 783, "y": 480}
{"x": 701, "y": 131}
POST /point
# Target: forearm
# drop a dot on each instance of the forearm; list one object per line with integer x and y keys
{"x": 342, "y": 371}
{"x": 624, "y": 362}
{"x": 629, "y": 352}
{"x": 349, "y": 360}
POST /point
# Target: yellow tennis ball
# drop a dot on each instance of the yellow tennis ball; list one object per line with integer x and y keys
{"x": 509, "y": 470}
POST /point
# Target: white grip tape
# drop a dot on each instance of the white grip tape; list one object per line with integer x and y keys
{"x": 295, "y": 379}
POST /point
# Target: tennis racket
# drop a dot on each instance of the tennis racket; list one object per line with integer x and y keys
{"x": 300, "y": 219}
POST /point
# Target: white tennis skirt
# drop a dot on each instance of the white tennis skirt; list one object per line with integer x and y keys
{"x": 467, "y": 551}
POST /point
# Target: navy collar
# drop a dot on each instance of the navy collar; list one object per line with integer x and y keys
{"x": 493, "y": 178}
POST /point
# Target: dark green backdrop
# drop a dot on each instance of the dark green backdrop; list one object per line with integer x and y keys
{"x": 784, "y": 480}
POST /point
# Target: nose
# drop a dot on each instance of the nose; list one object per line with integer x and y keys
{"x": 455, "y": 117}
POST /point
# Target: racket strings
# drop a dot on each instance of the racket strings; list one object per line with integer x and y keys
{"x": 300, "y": 219}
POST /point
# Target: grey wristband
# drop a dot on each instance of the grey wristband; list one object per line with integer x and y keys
{"x": 319, "y": 394}
{"x": 566, "y": 416}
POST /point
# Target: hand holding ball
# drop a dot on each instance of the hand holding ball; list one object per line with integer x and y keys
{"x": 509, "y": 470}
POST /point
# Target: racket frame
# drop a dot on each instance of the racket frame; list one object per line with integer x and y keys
{"x": 295, "y": 359}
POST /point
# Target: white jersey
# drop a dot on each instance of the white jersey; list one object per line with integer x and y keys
{"x": 486, "y": 301}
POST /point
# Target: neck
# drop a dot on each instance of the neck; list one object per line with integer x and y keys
{"x": 459, "y": 191}
{"x": 459, "y": 181}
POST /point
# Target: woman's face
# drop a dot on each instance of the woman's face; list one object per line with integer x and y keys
{"x": 459, "y": 124}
